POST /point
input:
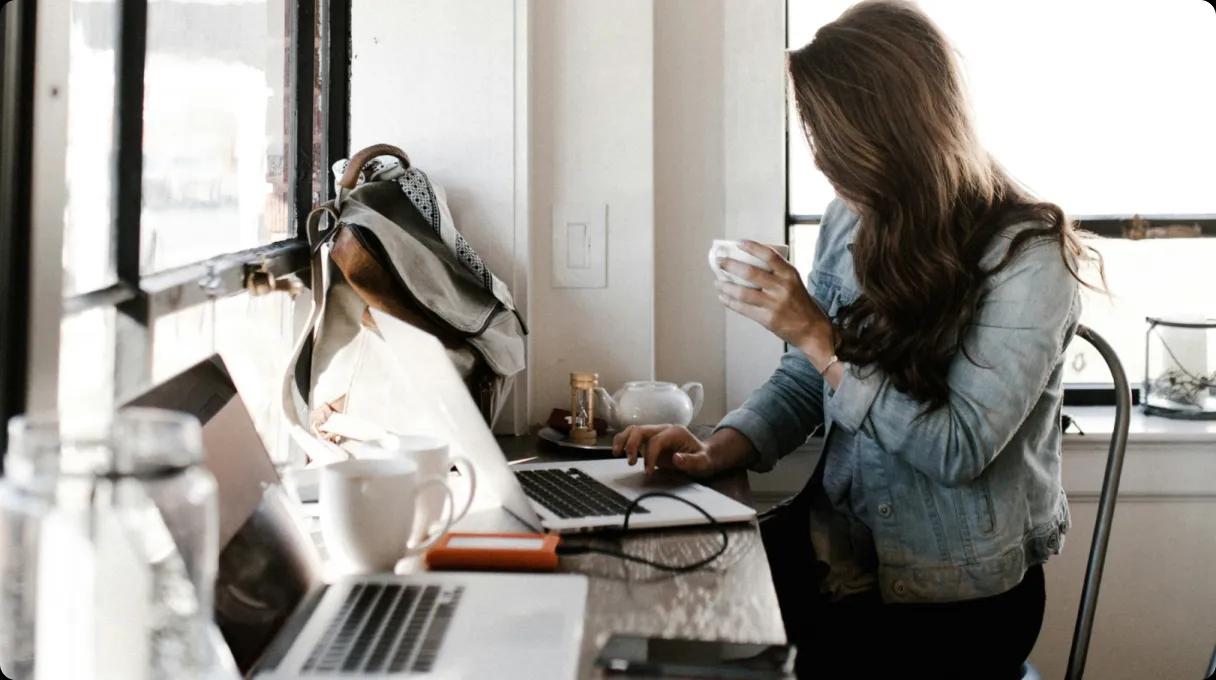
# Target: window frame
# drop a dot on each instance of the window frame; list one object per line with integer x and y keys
{"x": 141, "y": 299}
{"x": 17, "y": 41}
{"x": 1130, "y": 227}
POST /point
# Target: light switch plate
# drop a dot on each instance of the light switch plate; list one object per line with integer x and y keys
{"x": 580, "y": 245}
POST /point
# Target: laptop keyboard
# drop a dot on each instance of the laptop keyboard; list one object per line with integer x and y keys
{"x": 572, "y": 493}
{"x": 385, "y": 628}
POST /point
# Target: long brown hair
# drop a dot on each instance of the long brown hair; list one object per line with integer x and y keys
{"x": 884, "y": 110}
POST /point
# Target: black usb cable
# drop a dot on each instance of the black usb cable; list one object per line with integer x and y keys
{"x": 565, "y": 548}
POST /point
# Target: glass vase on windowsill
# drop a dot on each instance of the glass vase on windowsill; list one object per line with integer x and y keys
{"x": 1180, "y": 367}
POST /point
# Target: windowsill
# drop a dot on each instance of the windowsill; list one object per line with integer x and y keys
{"x": 1100, "y": 420}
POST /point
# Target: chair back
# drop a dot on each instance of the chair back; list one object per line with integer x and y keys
{"x": 1106, "y": 505}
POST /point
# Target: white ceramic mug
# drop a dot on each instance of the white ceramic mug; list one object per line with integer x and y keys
{"x": 369, "y": 509}
{"x": 724, "y": 248}
{"x": 434, "y": 460}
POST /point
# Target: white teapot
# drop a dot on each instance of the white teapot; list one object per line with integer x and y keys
{"x": 647, "y": 402}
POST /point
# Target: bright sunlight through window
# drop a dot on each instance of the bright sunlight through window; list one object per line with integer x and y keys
{"x": 1104, "y": 108}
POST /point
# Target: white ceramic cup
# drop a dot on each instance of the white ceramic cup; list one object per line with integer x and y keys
{"x": 724, "y": 248}
{"x": 369, "y": 509}
{"x": 434, "y": 460}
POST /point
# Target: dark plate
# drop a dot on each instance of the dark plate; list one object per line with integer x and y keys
{"x": 602, "y": 443}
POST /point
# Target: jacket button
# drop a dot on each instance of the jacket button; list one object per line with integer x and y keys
{"x": 899, "y": 588}
{"x": 884, "y": 510}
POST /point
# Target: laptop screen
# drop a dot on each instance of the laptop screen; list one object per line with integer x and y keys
{"x": 267, "y": 563}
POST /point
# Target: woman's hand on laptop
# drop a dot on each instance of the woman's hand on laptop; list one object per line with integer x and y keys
{"x": 667, "y": 447}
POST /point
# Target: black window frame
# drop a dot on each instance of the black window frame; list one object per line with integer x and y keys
{"x": 17, "y": 39}
{"x": 140, "y": 299}
{"x": 1132, "y": 227}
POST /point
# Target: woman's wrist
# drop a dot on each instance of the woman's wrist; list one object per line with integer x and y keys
{"x": 819, "y": 346}
{"x": 729, "y": 449}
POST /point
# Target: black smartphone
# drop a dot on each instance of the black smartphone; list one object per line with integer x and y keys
{"x": 665, "y": 657}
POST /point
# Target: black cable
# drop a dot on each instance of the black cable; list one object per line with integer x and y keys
{"x": 565, "y": 548}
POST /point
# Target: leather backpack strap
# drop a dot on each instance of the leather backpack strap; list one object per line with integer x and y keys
{"x": 316, "y": 243}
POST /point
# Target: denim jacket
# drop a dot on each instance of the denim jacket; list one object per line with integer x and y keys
{"x": 960, "y": 500}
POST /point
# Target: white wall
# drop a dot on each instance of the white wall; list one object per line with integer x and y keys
{"x": 591, "y": 142}
{"x": 443, "y": 88}
{"x": 426, "y": 78}
{"x": 689, "y": 155}
{"x": 754, "y": 191}
{"x": 669, "y": 113}
{"x": 699, "y": 85}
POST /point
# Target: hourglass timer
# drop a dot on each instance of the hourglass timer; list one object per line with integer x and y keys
{"x": 582, "y": 407}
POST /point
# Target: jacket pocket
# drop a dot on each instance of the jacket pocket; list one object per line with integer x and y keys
{"x": 982, "y": 510}
{"x": 830, "y": 293}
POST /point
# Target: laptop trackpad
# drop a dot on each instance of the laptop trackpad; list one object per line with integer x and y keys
{"x": 635, "y": 479}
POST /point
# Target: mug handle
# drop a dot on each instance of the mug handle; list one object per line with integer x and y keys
{"x": 448, "y": 518}
{"x": 465, "y": 467}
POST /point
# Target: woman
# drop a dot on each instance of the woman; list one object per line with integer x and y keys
{"x": 930, "y": 348}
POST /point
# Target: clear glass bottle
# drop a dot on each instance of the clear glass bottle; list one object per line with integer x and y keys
{"x": 169, "y": 500}
{"x": 26, "y": 496}
{"x": 121, "y": 569}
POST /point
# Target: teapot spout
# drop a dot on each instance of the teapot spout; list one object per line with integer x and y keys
{"x": 609, "y": 407}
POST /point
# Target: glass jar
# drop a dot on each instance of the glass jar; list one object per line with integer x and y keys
{"x": 1180, "y": 367}
{"x": 162, "y": 452}
{"x": 168, "y": 499}
{"x": 127, "y": 541}
{"x": 26, "y": 496}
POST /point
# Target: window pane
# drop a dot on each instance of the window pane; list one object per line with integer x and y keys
{"x": 217, "y": 99}
{"x": 253, "y": 334}
{"x": 86, "y": 365}
{"x": 802, "y": 247}
{"x": 1107, "y": 110}
{"x": 809, "y": 190}
{"x": 1154, "y": 277}
{"x": 87, "y": 260}
{"x": 1088, "y": 123}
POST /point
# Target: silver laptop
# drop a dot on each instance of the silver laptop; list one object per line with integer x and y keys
{"x": 565, "y": 497}
{"x": 280, "y": 620}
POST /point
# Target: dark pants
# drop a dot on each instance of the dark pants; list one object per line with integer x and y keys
{"x": 861, "y": 637}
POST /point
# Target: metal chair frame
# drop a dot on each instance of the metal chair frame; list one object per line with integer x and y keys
{"x": 1106, "y": 507}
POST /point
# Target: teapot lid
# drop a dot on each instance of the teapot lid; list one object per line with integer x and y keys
{"x": 651, "y": 384}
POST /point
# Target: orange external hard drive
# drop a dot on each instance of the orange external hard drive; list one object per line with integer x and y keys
{"x": 494, "y": 552}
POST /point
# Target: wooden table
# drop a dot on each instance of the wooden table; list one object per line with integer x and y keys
{"x": 731, "y": 599}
